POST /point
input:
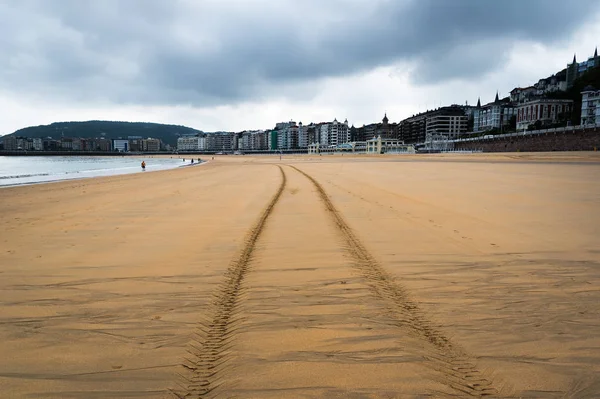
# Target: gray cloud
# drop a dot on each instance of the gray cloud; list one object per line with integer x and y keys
{"x": 221, "y": 52}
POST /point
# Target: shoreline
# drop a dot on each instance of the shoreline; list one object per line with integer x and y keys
{"x": 96, "y": 176}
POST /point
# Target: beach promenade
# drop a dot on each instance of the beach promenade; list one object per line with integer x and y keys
{"x": 307, "y": 277}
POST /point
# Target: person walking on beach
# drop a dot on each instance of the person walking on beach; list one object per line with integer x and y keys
{"x": 143, "y": 165}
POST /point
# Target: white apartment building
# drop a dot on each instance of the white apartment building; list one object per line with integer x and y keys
{"x": 120, "y": 145}
{"x": 324, "y": 134}
{"x": 193, "y": 143}
{"x": 494, "y": 115}
{"x": 590, "y": 106}
{"x": 334, "y": 133}
{"x": 37, "y": 144}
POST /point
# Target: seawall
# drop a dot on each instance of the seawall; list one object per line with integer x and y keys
{"x": 585, "y": 140}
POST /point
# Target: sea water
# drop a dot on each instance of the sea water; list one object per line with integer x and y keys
{"x": 16, "y": 170}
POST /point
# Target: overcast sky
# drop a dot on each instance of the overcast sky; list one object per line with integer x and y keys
{"x": 247, "y": 64}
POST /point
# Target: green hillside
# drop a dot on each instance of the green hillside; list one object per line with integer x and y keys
{"x": 110, "y": 130}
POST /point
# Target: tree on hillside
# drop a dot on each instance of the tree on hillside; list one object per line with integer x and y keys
{"x": 589, "y": 78}
{"x": 512, "y": 123}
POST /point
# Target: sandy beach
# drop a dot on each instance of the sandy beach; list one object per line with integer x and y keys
{"x": 307, "y": 277}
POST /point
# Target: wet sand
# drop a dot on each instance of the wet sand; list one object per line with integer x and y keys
{"x": 363, "y": 277}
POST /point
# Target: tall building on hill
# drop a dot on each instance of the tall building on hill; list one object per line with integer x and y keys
{"x": 575, "y": 69}
{"x": 477, "y": 116}
{"x": 522, "y": 94}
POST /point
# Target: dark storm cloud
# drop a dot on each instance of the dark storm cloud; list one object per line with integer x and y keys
{"x": 210, "y": 52}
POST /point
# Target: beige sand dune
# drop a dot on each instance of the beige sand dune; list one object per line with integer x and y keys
{"x": 374, "y": 277}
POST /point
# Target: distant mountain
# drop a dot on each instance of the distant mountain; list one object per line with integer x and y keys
{"x": 110, "y": 130}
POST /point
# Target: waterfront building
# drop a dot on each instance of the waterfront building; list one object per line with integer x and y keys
{"x": 302, "y": 135}
{"x": 191, "y": 143}
{"x": 253, "y": 140}
{"x": 590, "y": 106}
{"x": 370, "y": 131}
{"x": 244, "y": 140}
{"x": 272, "y": 139}
{"x": 307, "y": 134}
{"x": 384, "y": 129}
{"x": 439, "y": 124}
{"x": 331, "y": 134}
{"x": 284, "y": 136}
{"x": 380, "y": 145}
{"x": 66, "y": 143}
{"x": 288, "y": 137}
{"x": 11, "y": 143}
{"x": 543, "y": 110}
{"x": 102, "y": 144}
{"x": 135, "y": 144}
{"x": 221, "y": 141}
{"x": 76, "y": 144}
{"x": 446, "y": 123}
{"x": 151, "y": 145}
{"x": 412, "y": 129}
{"x": 37, "y": 144}
{"x": 338, "y": 132}
{"x": 50, "y": 144}
{"x": 494, "y": 116}
{"x": 120, "y": 145}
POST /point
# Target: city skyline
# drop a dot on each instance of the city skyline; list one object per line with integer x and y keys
{"x": 40, "y": 87}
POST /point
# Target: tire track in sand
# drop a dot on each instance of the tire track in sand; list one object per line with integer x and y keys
{"x": 457, "y": 369}
{"x": 210, "y": 348}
